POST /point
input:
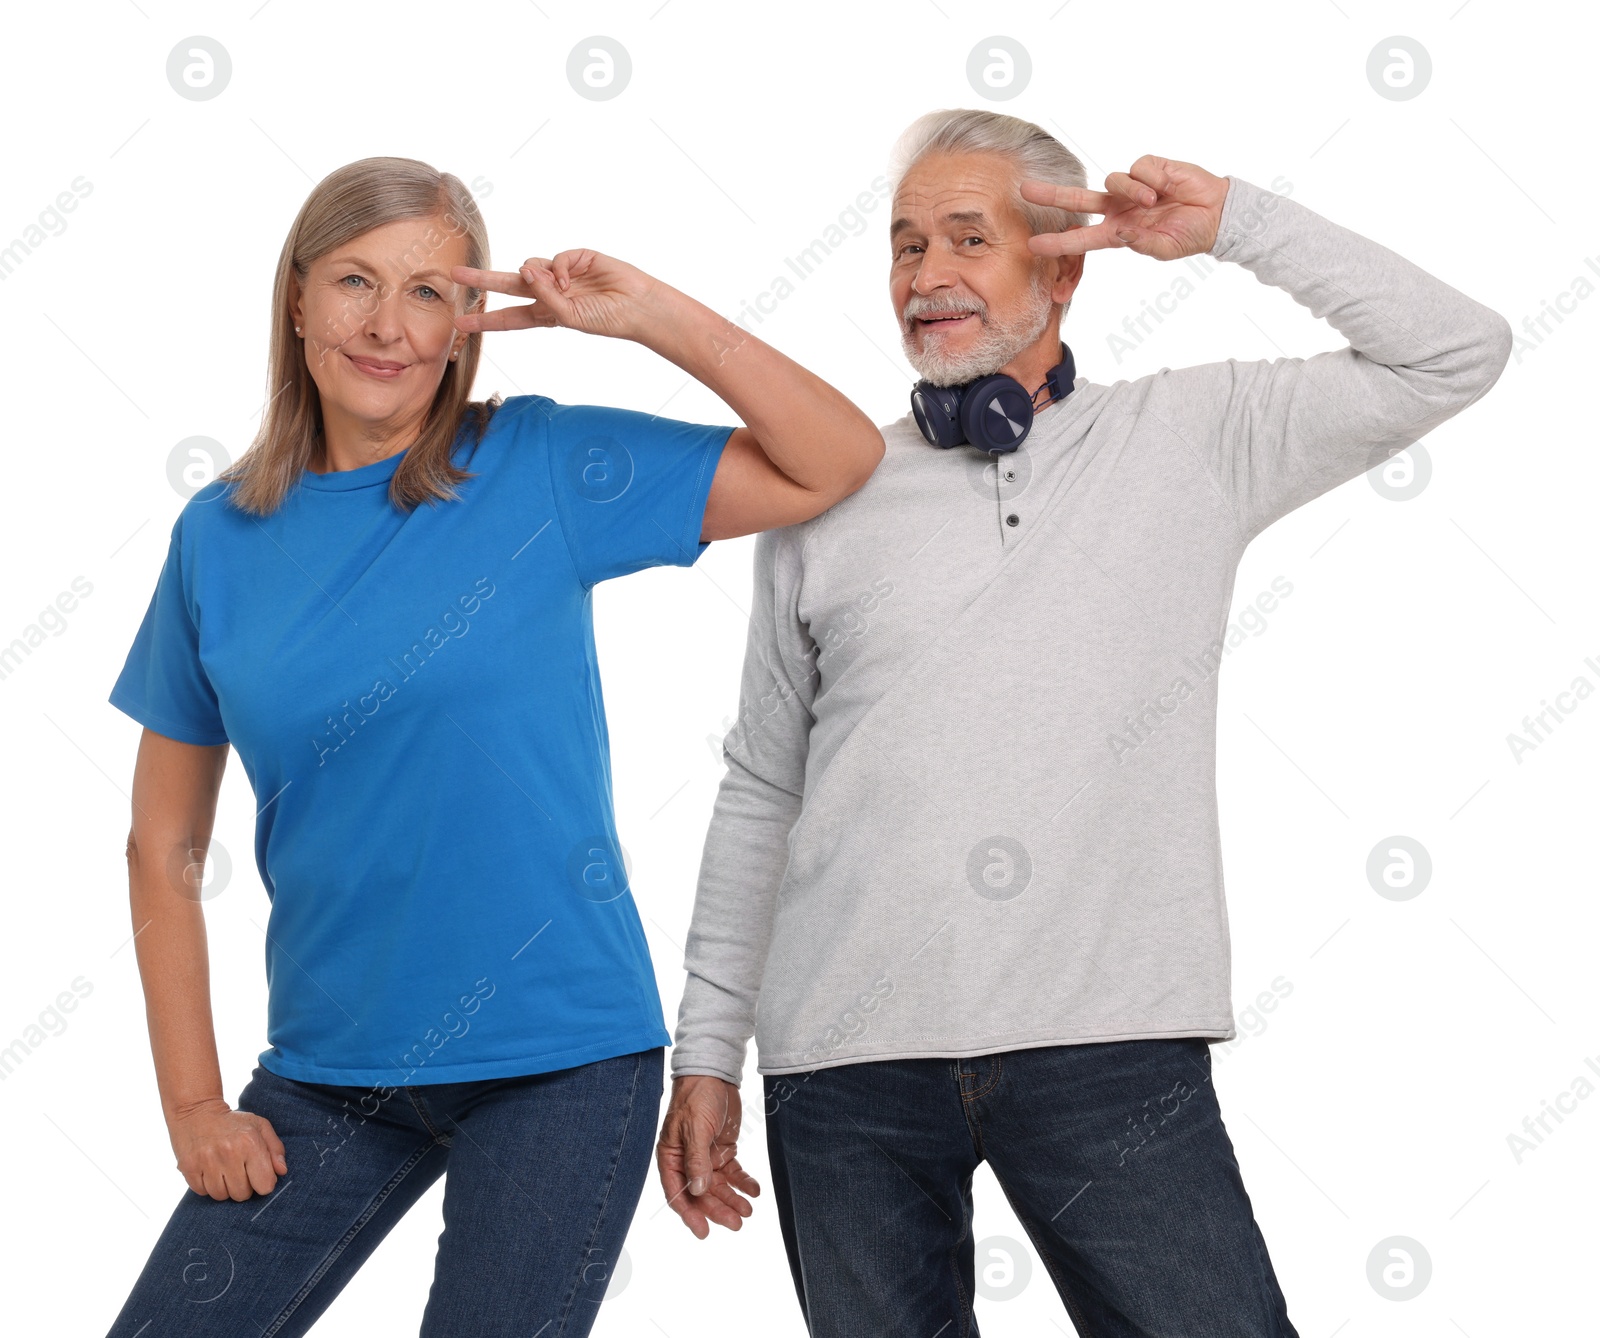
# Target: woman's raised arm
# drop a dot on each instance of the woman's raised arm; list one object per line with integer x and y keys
{"x": 804, "y": 446}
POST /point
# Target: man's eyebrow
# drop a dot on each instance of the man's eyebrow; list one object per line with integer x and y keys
{"x": 955, "y": 216}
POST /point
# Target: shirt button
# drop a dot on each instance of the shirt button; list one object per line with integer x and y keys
{"x": 1013, "y": 519}
{"x": 1010, "y": 475}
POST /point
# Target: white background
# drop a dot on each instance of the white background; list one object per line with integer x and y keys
{"x": 1378, "y": 1098}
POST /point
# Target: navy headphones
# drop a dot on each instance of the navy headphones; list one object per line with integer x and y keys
{"x": 993, "y": 413}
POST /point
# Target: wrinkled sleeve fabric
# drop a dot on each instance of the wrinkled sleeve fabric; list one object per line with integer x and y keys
{"x": 746, "y": 849}
{"x": 1274, "y": 434}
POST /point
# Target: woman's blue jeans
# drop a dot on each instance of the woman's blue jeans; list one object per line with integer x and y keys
{"x": 1113, "y": 1156}
{"x": 542, "y": 1176}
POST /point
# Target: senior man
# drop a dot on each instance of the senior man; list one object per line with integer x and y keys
{"x": 963, "y": 878}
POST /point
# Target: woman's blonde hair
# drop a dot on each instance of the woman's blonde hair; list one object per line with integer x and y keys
{"x": 347, "y": 202}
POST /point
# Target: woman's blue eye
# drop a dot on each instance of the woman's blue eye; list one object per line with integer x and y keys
{"x": 356, "y": 277}
{"x": 426, "y": 289}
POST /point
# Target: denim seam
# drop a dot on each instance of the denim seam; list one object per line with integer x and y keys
{"x": 969, "y": 1112}
{"x": 416, "y": 1105}
{"x": 1272, "y": 1328}
{"x": 1069, "y": 1299}
{"x": 605, "y": 1198}
{"x": 964, "y": 1315}
{"x": 377, "y": 1202}
{"x": 1041, "y": 1244}
{"x": 996, "y": 1072}
{"x": 975, "y": 1132}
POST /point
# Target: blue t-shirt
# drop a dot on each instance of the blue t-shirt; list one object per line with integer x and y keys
{"x": 416, "y": 701}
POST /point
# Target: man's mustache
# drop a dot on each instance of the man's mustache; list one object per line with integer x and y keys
{"x": 919, "y": 307}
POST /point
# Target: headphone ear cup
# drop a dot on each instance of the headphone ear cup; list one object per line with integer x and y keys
{"x": 937, "y": 410}
{"x": 996, "y": 413}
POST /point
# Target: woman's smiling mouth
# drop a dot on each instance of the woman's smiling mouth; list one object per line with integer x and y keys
{"x": 380, "y": 369}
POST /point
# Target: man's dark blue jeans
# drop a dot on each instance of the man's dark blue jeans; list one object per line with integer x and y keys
{"x": 1113, "y": 1156}
{"x": 542, "y": 1176}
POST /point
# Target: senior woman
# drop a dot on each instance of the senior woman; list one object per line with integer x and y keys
{"x": 384, "y": 608}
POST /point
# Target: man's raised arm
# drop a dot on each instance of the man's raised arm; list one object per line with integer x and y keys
{"x": 1276, "y": 433}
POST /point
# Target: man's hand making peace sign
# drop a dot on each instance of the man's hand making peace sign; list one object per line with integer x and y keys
{"x": 1159, "y": 207}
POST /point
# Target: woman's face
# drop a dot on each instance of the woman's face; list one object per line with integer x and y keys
{"x": 376, "y": 316}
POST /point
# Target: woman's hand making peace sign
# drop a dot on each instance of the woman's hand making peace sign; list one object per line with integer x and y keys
{"x": 580, "y": 289}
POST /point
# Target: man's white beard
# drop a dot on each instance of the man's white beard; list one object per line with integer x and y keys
{"x": 997, "y": 344}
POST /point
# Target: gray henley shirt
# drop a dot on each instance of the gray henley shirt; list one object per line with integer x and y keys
{"x": 970, "y": 801}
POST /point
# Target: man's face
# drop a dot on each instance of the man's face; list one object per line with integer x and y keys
{"x": 969, "y": 294}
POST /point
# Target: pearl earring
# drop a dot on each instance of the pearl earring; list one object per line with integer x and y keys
{"x": 297, "y": 329}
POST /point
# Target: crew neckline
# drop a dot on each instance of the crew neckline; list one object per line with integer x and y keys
{"x": 362, "y": 476}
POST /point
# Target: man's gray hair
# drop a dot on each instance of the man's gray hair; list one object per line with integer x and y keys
{"x": 1039, "y": 156}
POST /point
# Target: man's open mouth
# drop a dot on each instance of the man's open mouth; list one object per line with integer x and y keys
{"x": 943, "y": 318}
